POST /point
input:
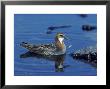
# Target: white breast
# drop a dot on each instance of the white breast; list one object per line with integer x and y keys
{"x": 61, "y": 40}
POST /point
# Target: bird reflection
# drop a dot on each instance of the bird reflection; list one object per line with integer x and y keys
{"x": 58, "y": 59}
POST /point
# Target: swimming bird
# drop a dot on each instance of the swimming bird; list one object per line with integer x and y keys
{"x": 56, "y": 48}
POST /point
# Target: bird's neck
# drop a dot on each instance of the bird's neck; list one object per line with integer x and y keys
{"x": 59, "y": 43}
{"x": 61, "y": 40}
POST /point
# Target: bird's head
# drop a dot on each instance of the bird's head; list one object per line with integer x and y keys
{"x": 60, "y": 37}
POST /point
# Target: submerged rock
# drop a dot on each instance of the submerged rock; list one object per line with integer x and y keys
{"x": 88, "y": 27}
{"x": 83, "y": 15}
{"x": 56, "y": 27}
{"x": 51, "y": 28}
{"x": 88, "y": 54}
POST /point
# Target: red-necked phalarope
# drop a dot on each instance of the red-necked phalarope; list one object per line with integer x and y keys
{"x": 56, "y": 48}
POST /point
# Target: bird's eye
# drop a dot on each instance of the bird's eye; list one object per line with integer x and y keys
{"x": 61, "y": 35}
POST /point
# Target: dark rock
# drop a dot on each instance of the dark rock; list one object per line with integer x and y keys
{"x": 83, "y": 15}
{"x": 88, "y": 54}
{"x": 51, "y": 28}
{"x": 88, "y": 27}
{"x": 56, "y": 27}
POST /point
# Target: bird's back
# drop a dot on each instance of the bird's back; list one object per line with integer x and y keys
{"x": 47, "y": 49}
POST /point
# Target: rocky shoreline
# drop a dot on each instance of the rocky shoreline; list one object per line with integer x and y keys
{"x": 88, "y": 54}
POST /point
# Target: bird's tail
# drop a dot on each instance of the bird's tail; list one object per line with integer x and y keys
{"x": 26, "y": 45}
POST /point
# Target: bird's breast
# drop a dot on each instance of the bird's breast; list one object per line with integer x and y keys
{"x": 60, "y": 46}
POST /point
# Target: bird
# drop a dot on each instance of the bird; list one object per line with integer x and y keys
{"x": 55, "y": 48}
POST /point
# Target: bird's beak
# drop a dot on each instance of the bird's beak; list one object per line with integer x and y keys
{"x": 65, "y": 37}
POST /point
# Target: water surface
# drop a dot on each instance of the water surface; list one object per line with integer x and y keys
{"x": 32, "y": 28}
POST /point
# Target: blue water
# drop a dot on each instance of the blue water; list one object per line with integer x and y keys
{"x": 32, "y": 28}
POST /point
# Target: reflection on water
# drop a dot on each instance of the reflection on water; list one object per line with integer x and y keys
{"x": 58, "y": 59}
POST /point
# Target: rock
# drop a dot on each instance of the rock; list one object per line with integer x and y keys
{"x": 88, "y": 27}
{"x": 88, "y": 54}
{"x": 83, "y": 15}
{"x": 51, "y": 28}
{"x": 56, "y": 27}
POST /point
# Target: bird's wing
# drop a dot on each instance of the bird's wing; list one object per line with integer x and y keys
{"x": 43, "y": 48}
{"x": 40, "y": 49}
